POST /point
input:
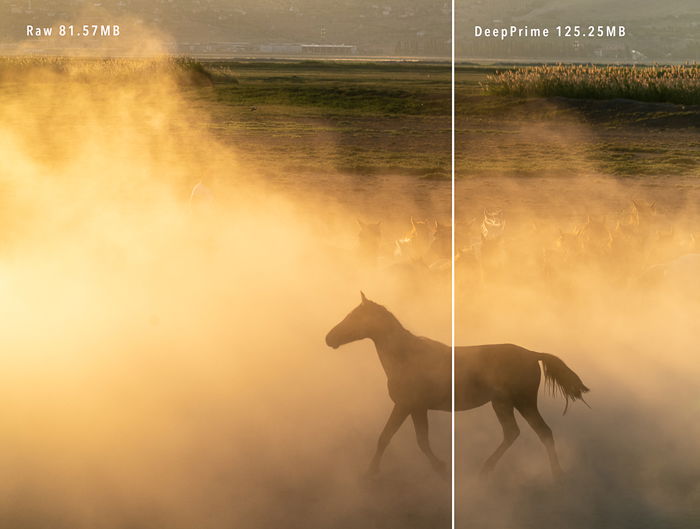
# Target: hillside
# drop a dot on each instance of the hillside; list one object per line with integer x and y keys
{"x": 656, "y": 31}
{"x": 411, "y": 27}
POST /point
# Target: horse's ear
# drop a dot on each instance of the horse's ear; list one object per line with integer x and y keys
{"x": 362, "y": 295}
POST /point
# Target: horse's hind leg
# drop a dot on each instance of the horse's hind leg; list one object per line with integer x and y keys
{"x": 420, "y": 422}
{"x": 504, "y": 412}
{"x": 396, "y": 419}
{"x": 532, "y": 415}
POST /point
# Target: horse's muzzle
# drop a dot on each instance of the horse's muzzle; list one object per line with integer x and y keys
{"x": 330, "y": 342}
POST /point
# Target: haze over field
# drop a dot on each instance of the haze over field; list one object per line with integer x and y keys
{"x": 577, "y": 269}
{"x": 163, "y": 358}
{"x": 164, "y": 362}
{"x": 630, "y": 459}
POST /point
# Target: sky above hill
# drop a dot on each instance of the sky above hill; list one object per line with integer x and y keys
{"x": 659, "y": 31}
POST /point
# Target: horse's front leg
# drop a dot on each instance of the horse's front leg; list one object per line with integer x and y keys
{"x": 420, "y": 422}
{"x": 396, "y": 419}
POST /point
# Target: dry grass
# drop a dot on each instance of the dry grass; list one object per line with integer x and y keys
{"x": 183, "y": 69}
{"x": 672, "y": 84}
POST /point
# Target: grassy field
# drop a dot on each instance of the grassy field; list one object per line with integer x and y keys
{"x": 393, "y": 118}
{"x": 311, "y": 118}
{"x": 325, "y": 117}
{"x": 658, "y": 84}
{"x": 375, "y": 118}
{"x": 508, "y": 135}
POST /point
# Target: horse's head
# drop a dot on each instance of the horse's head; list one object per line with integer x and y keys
{"x": 360, "y": 323}
{"x": 493, "y": 225}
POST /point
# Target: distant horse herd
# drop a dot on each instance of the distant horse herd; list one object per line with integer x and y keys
{"x": 637, "y": 247}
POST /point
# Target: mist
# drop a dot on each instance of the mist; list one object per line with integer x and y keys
{"x": 164, "y": 362}
{"x": 564, "y": 282}
{"x": 163, "y": 359}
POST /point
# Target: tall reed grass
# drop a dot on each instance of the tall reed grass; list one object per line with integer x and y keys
{"x": 671, "y": 84}
{"x": 184, "y": 69}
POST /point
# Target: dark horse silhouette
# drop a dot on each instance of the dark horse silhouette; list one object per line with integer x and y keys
{"x": 419, "y": 370}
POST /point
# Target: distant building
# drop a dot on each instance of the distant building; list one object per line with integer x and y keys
{"x": 309, "y": 49}
{"x": 281, "y": 49}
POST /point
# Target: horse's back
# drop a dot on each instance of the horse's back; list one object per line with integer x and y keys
{"x": 492, "y": 353}
{"x": 485, "y": 372}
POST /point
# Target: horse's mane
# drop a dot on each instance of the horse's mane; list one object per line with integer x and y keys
{"x": 387, "y": 313}
{"x": 393, "y": 320}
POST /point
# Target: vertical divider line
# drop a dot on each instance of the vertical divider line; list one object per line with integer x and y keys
{"x": 452, "y": 287}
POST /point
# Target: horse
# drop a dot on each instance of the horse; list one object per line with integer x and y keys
{"x": 415, "y": 243}
{"x": 493, "y": 255}
{"x": 419, "y": 369}
{"x": 441, "y": 246}
{"x": 493, "y": 225}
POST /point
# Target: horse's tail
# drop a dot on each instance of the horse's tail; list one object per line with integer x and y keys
{"x": 559, "y": 378}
